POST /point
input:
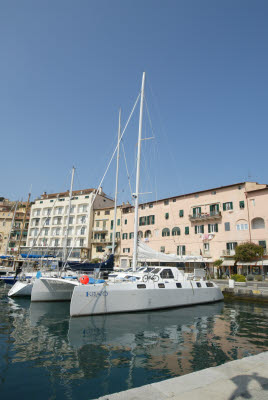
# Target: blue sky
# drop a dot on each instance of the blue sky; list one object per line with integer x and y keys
{"x": 67, "y": 66}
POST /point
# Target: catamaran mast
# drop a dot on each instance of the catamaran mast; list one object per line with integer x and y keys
{"x": 68, "y": 217}
{"x": 136, "y": 194}
{"x": 116, "y": 180}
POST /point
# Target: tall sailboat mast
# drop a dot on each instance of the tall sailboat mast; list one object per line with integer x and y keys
{"x": 12, "y": 224}
{"x": 68, "y": 217}
{"x": 136, "y": 194}
{"x": 116, "y": 180}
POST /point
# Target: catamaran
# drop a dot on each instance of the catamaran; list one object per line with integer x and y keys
{"x": 163, "y": 287}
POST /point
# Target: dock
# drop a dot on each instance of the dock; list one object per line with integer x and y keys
{"x": 235, "y": 380}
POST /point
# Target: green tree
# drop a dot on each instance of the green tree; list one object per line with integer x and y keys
{"x": 248, "y": 252}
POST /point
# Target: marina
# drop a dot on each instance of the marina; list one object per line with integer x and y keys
{"x": 90, "y": 357}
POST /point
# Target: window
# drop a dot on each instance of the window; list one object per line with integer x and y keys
{"x": 227, "y": 226}
{"x": 71, "y": 220}
{"x": 117, "y": 235}
{"x": 252, "y": 202}
{"x": 166, "y": 202}
{"x": 161, "y": 285}
{"x": 47, "y": 221}
{"x": 126, "y": 250}
{"x": 143, "y": 207}
{"x": 206, "y": 247}
{"x": 107, "y": 212}
{"x": 196, "y": 211}
{"x": 231, "y": 245}
{"x": 149, "y": 220}
{"x": 181, "y": 213}
{"x": 227, "y": 206}
{"x": 83, "y": 219}
{"x": 118, "y": 222}
{"x": 125, "y": 222}
{"x": 214, "y": 209}
{"x": 148, "y": 234}
{"x": 51, "y": 201}
{"x": 214, "y": 192}
{"x": 140, "y": 234}
{"x": 69, "y": 242}
{"x": 165, "y": 232}
{"x": 56, "y": 242}
{"x": 167, "y": 216}
{"x": 262, "y": 243}
{"x": 166, "y": 274}
{"x": 196, "y": 195}
{"x": 141, "y": 286}
{"x": 86, "y": 197}
{"x": 187, "y": 230}
{"x": 212, "y": 228}
{"x": 258, "y": 223}
{"x": 151, "y": 205}
{"x": 162, "y": 249}
{"x": 98, "y": 212}
{"x": 181, "y": 250}
{"x": 242, "y": 227}
{"x": 198, "y": 284}
{"x": 97, "y": 224}
{"x": 199, "y": 229}
{"x": 124, "y": 236}
{"x": 112, "y": 224}
{"x": 83, "y": 230}
{"x": 99, "y": 249}
{"x": 176, "y": 231}
{"x": 46, "y": 231}
{"x": 241, "y": 205}
{"x": 178, "y": 285}
{"x": 104, "y": 224}
{"x": 174, "y": 200}
{"x": 131, "y": 235}
{"x": 41, "y": 202}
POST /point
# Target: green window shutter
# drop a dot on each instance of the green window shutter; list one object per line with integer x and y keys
{"x": 209, "y": 229}
{"x": 224, "y": 206}
{"x": 202, "y": 228}
{"x": 195, "y": 229}
{"x": 199, "y": 210}
{"x": 140, "y": 220}
{"x": 211, "y": 208}
{"x": 152, "y": 219}
{"x": 217, "y": 207}
{"x": 181, "y": 213}
{"x": 112, "y": 224}
{"x": 216, "y": 227}
{"x": 167, "y": 215}
{"x": 118, "y": 222}
{"x": 183, "y": 250}
{"x": 187, "y": 230}
{"x": 241, "y": 204}
{"x": 194, "y": 212}
{"x": 111, "y": 236}
{"x": 231, "y": 203}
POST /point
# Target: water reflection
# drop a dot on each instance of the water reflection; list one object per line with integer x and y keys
{"x": 117, "y": 352}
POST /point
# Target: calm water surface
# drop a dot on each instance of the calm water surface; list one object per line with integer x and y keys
{"x": 46, "y": 355}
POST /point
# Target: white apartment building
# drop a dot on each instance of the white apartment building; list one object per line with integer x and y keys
{"x": 48, "y": 223}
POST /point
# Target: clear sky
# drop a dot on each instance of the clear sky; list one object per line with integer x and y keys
{"x": 67, "y": 66}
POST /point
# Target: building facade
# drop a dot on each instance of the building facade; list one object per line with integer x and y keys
{"x": 13, "y": 238}
{"x": 48, "y": 223}
{"x": 210, "y": 223}
{"x": 102, "y": 233}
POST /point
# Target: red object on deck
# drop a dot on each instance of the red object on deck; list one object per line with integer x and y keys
{"x": 84, "y": 279}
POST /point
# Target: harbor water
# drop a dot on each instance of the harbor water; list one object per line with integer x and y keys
{"x": 45, "y": 354}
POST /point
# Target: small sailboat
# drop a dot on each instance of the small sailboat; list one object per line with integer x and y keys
{"x": 163, "y": 287}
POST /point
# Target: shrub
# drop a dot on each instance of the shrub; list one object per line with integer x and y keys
{"x": 250, "y": 278}
{"x": 258, "y": 277}
{"x": 238, "y": 278}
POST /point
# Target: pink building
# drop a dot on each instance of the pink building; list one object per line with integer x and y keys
{"x": 210, "y": 222}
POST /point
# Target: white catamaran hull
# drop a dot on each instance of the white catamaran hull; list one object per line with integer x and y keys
{"x": 117, "y": 298}
{"x": 21, "y": 289}
{"x": 52, "y": 289}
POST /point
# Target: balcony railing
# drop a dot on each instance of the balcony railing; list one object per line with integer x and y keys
{"x": 100, "y": 229}
{"x": 106, "y": 240}
{"x": 228, "y": 252}
{"x": 205, "y": 216}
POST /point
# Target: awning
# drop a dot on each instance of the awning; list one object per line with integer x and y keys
{"x": 254, "y": 263}
{"x": 228, "y": 263}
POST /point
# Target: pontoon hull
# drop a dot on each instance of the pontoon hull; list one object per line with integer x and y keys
{"x": 21, "y": 289}
{"x": 100, "y": 299}
{"x": 49, "y": 289}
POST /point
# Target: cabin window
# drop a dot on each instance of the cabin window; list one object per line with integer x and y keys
{"x": 178, "y": 285}
{"x": 209, "y": 284}
{"x": 166, "y": 274}
{"x": 161, "y": 285}
{"x": 141, "y": 286}
{"x": 198, "y": 284}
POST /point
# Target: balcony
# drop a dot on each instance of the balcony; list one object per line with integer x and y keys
{"x": 106, "y": 240}
{"x": 228, "y": 252}
{"x": 100, "y": 229}
{"x": 205, "y": 216}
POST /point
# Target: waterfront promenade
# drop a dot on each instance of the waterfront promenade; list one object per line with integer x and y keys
{"x": 236, "y": 380}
